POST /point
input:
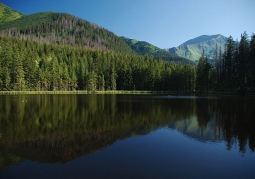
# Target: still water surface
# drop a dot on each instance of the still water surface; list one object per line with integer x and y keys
{"x": 126, "y": 136}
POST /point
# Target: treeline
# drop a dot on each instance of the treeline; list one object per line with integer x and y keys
{"x": 29, "y": 65}
{"x": 234, "y": 68}
{"x": 167, "y": 56}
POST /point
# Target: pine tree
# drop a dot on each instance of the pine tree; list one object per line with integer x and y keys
{"x": 18, "y": 80}
{"x": 6, "y": 83}
{"x": 54, "y": 70}
{"x": 251, "y": 64}
{"x": 235, "y": 71}
{"x": 229, "y": 65}
{"x": 65, "y": 77}
{"x": 218, "y": 66}
{"x": 92, "y": 81}
{"x": 101, "y": 83}
{"x": 203, "y": 69}
{"x": 1, "y": 68}
{"x": 243, "y": 62}
{"x": 113, "y": 78}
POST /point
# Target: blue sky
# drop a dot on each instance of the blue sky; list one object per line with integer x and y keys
{"x": 163, "y": 23}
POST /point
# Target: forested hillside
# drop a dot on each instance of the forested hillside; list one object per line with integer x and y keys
{"x": 29, "y": 65}
{"x": 7, "y": 14}
{"x": 63, "y": 29}
{"x": 144, "y": 48}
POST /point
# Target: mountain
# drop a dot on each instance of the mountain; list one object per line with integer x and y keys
{"x": 63, "y": 29}
{"x": 145, "y": 48}
{"x": 7, "y": 14}
{"x": 191, "y": 129}
{"x": 193, "y": 49}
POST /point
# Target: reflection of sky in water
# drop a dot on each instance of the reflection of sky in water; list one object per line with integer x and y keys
{"x": 128, "y": 136}
{"x": 164, "y": 153}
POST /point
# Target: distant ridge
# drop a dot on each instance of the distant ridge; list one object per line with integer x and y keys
{"x": 145, "y": 48}
{"x": 193, "y": 49}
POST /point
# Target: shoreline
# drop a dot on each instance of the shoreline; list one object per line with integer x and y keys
{"x": 125, "y": 92}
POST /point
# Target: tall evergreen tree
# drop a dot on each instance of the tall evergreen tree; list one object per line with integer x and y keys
{"x": 203, "y": 69}
{"x": 91, "y": 81}
{"x": 218, "y": 66}
{"x": 113, "y": 78}
{"x": 229, "y": 65}
{"x": 251, "y": 64}
{"x": 17, "y": 73}
{"x": 243, "y": 61}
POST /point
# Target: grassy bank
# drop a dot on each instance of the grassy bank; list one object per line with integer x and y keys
{"x": 82, "y": 92}
{"x": 125, "y": 92}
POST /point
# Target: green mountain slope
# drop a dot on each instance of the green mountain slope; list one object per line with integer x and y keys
{"x": 145, "y": 48}
{"x": 141, "y": 47}
{"x": 28, "y": 21}
{"x": 192, "y": 49}
{"x": 7, "y": 14}
{"x": 64, "y": 29}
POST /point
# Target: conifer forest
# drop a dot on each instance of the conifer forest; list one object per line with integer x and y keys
{"x": 29, "y": 65}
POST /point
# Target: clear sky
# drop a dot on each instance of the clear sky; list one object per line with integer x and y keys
{"x": 163, "y": 23}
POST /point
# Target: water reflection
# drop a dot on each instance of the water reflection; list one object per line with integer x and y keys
{"x": 60, "y": 128}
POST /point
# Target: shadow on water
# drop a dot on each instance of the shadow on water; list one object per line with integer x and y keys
{"x": 61, "y": 128}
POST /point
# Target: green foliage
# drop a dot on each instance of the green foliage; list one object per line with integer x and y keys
{"x": 243, "y": 61}
{"x": 140, "y": 47}
{"x": 251, "y": 65}
{"x": 29, "y": 65}
{"x": 28, "y": 21}
{"x": 7, "y": 14}
{"x": 63, "y": 29}
{"x": 233, "y": 70}
{"x": 203, "y": 70}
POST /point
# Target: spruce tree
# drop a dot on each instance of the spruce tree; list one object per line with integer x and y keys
{"x": 203, "y": 69}
{"x": 229, "y": 65}
{"x": 251, "y": 64}
{"x": 243, "y": 62}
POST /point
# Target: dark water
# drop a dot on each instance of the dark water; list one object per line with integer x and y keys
{"x": 126, "y": 136}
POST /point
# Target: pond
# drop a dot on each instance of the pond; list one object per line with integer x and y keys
{"x": 126, "y": 136}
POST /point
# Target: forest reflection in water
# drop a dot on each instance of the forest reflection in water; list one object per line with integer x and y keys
{"x": 61, "y": 128}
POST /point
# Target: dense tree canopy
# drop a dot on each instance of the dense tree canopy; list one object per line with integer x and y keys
{"x": 29, "y": 65}
{"x": 235, "y": 67}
